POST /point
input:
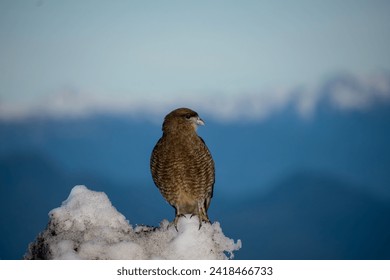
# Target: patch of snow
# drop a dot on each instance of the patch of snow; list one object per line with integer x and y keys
{"x": 87, "y": 226}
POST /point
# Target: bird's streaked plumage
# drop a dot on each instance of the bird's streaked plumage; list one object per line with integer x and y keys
{"x": 182, "y": 167}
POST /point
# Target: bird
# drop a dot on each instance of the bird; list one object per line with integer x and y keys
{"x": 182, "y": 166}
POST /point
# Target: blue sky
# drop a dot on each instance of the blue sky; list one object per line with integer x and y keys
{"x": 147, "y": 52}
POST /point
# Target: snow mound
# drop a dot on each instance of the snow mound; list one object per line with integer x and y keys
{"x": 87, "y": 226}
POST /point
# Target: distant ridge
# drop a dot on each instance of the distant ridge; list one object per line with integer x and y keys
{"x": 344, "y": 91}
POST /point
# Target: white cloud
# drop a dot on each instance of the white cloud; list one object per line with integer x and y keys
{"x": 87, "y": 226}
{"x": 347, "y": 92}
{"x": 343, "y": 92}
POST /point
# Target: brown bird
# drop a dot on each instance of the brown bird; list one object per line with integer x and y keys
{"x": 182, "y": 167}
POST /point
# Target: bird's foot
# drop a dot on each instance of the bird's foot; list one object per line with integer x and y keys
{"x": 177, "y": 217}
{"x": 202, "y": 219}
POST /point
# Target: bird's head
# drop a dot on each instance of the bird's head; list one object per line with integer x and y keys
{"x": 182, "y": 119}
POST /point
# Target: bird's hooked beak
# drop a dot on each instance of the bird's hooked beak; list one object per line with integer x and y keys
{"x": 199, "y": 121}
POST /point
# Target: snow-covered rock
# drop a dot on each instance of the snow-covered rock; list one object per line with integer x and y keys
{"x": 87, "y": 226}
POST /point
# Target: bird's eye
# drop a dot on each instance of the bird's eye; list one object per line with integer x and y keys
{"x": 188, "y": 116}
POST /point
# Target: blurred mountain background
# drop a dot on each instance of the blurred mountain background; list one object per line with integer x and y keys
{"x": 289, "y": 188}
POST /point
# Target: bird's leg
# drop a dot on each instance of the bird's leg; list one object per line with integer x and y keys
{"x": 178, "y": 215}
{"x": 202, "y": 214}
